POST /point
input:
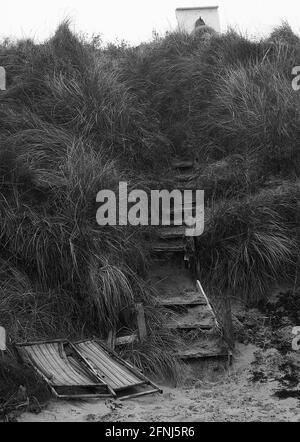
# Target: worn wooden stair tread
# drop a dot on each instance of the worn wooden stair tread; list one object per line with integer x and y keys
{"x": 199, "y": 350}
{"x": 181, "y": 207}
{"x": 190, "y": 298}
{"x": 186, "y": 185}
{"x": 182, "y": 164}
{"x": 168, "y": 246}
{"x": 172, "y": 232}
{"x": 182, "y": 177}
{"x": 193, "y": 318}
{"x": 171, "y": 279}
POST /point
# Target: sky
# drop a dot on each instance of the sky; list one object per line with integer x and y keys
{"x": 134, "y": 20}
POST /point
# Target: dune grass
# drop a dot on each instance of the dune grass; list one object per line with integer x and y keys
{"x": 69, "y": 128}
{"x": 250, "y": 245}
{"x": 78, "y": 117}
{"x": 228, "y": 101}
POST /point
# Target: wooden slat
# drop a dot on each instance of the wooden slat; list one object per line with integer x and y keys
{"x": 168, "y": 246}
{"x": 185, "y": 177}
{"x": 201, "y": 355}
{"x": 59, "y": 371}
{"x": 172, "y": 232}
{"x": 141, "y": 393}
{"x": 134, "y": 370}
{"x": 103, "y": 368}
{"x": 114, "y": 374}
{"x": 182, "y": 164}
{"x": 186, "y": 299}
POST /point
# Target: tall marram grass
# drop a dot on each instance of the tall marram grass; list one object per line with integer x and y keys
{"x": 229, "y": 101}
{"x": 250, "y": 245}
{"x": 218, "y": 95}
{"x": 69, "y": 128}
{"x": 77, "y": 118}
{"x": 255, "y": 111}
{"x": 64, "y": 82}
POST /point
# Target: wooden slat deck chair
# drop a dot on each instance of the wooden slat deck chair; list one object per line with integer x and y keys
{"x": 124, "y": 379}
{"x": 66, "y": 373}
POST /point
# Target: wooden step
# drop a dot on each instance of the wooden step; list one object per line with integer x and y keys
{"x": 186, "y": 185}
{"x": 188, "y": 298}
{"x": 171, "y": 279}
{"x": 182, "y": 164}
{"x": 198, "y": 352}
{"x": 172, "y": 232}
{"x": 168, "y": 246}
{"x": 203, "y": 348}
{"x": 179, "y": 208}
{"x": 184, "y": 177}
{"x": 179, "y": 211}
{"x": 166, "y": 219}
{"x": 193, "y": 318}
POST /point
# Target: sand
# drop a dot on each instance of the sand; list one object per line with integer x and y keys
{"x": 233, "y": 396}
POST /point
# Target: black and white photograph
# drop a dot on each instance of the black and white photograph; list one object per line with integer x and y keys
{"x": 149, "y": 214}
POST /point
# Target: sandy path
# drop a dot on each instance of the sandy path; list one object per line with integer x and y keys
{"x": 234, "y": 398}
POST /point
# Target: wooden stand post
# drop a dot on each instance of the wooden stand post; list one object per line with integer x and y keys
{"x": 141, "y": 322}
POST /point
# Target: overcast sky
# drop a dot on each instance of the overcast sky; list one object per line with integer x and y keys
{"x": 134, "y": 20}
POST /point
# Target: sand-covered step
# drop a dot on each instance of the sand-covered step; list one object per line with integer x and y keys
{"x": 192, "y": 318}
{"x": 184, "y": 177}
{"x": 171, "y": 279}
{"x": 202, "y": 349}
{"x": 179, "y": 208}
{"x": 171, "y": 232}
{"x": 181, "y": 214}
{"x": 168, "y": 246}
{"x": 187, "y": 185}
{"x": 186, "y": 298}
{"x": 181, "y": 302}
{"x": 182, "y": 164}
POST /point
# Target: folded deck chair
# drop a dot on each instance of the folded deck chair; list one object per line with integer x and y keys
{"x": 66, "y": 373}
{"x": 125, "y": 380}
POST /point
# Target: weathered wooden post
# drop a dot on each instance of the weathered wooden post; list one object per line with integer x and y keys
{"x": 2, "y": 341}
{"x": 141, "y": 322}
{"x": 2, "y": 79}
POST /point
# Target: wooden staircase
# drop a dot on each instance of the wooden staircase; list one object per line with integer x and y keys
{"x": 188, "y": 311}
